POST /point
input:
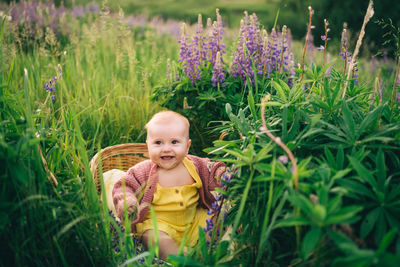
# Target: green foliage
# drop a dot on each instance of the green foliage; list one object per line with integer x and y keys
{"x": 342, "y": 146}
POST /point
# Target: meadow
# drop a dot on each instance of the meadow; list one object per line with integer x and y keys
{"x": 311, "y": 136}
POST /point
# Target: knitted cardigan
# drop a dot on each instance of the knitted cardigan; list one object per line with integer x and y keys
{"x": 138, "y": 176}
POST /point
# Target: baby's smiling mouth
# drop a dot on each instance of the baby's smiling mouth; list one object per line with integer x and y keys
{"x": 167, "y": 157}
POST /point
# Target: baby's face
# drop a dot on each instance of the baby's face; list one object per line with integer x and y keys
{"x": 168, "y": 143}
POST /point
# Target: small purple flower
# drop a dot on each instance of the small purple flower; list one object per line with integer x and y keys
{"x": 398, "y": 97}
{"x": 50, "y": 86}
{"x": 283, "y": 159}
{"x": 320, "y": 48}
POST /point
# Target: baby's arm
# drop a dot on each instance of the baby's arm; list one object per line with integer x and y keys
{"x": 127, "y": 198}
{"x": 217, "y": 169}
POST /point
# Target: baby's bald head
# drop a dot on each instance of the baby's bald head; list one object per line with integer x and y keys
{"x": 168, "y": 117}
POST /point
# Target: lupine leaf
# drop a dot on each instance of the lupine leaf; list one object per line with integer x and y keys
{"x": 344, "y": 215}
{"x": 310, "y": 240}
{"x": 340, "y": 158}
{"x": 348, "y": 120}
{"x": 356, "y": 187}
{"x": 280, "y": 91}
{"x": 381, "y": 170}
{"x": 369, "y": 119}
{"x": 364, "y": 173}
{"x": 369, "y": 222}
{"x": 292, "y": 221}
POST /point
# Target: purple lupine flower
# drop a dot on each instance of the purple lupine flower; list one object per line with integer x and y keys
{"x": 275, "y": 50}
{"x": 253, "y": 36}
{"x": 183, "y": 50}
{"x": 265, "y": 56}
{"x": 78, "y": 11}
{"x": 92, "y": 8}
{"x": 398, "y": 97}
{"x": 168, "y": 74}
{"x": 355, "y": 72}
{"x": 321, "y": 48}
{"x": 215, "y": 44}
{"x": 189, "y": 56}
{"x": 292, "y": 72}
{"x": 249, "y": 50}
{"x": 344, "y": 47}
{"x": 284, "y": 46}
{"x": 325, "y": 38}
{"x": 218, "y": 73}
{"x": 237, "y": 68}
{"x": 200, "y": 41}
{"x": 50, "y": 86}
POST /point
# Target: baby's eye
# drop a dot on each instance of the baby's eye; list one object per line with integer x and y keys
{"x": 157, "y": 142}
{"x": 174, "y": 142}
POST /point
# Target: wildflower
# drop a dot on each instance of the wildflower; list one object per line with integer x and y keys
{"x": 283, "y": 159}
{"x": 200, "y": 41}
{"x": 283, "y": 57}
{"x": 238, "y": 67}
{"x": 344, "y": 48}
{"x": 189, "y": 56}
{"x": 398, "y": 97}
{"x": 325, "y": 39}
{"x": 291, "y": 67}
{"x": 320, "y": 48}
{"x": 218, "y": 73}
{"x": 215, "y": 44}
{"x": 168, "y": 74}
{"x": 50, "y": 86}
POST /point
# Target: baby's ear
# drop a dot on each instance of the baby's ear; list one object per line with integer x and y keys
{"x": 189, "y": 144}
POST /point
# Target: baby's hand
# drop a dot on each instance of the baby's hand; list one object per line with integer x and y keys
{"x": 131, "y": 204}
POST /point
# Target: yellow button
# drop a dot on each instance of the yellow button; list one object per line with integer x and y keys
{"x": 176, "y": 191}
{"x": 181, "y": 204}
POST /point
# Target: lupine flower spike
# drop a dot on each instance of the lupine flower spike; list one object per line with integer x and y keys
{"x": 345, "y": 46}
{"x": 309, "y": 27}
{"x": 283, "y": 47}
{"x": 325, "y": 38}
{"x": 218, "y": 73}
{"x": 219, "y": 204}
{"x": 368, "y": 15}
{"x": 189, "y": 56}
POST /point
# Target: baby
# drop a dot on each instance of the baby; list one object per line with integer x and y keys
{"x": 176, "y": 184}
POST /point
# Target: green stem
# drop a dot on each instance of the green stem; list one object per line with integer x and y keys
{"x": 244, "y": 198}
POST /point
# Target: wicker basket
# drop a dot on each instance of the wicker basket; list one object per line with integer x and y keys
{"x": 120, "y": 157}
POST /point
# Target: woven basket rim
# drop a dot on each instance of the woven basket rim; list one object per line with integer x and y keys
{"x": 108, "y": 153}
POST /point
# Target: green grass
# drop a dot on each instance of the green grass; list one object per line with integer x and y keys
{"x": 108, "y": 72}
{"x": 102, "y": 99}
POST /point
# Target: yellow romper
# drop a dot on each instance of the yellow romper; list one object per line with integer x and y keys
{"x": 177, "y": 210}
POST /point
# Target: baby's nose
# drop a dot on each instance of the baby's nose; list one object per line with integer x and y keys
{"x": 167, "y": 147}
